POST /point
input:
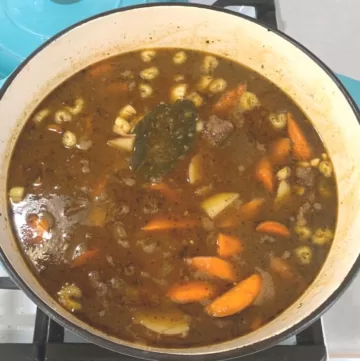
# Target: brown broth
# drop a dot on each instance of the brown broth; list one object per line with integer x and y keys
{"x": 131, "y": 269}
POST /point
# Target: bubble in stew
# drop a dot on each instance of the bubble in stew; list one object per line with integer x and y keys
{"x": 172, "y": 197}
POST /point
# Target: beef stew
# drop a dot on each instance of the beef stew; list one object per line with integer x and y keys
{"x": 172, "y": 198}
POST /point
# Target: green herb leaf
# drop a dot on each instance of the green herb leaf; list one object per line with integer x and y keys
{"x": 162, "y": 137}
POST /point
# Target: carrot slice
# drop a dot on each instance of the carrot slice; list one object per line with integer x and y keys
{"x": 84, "y": 258}
{"x": 282, "y": 268}
{"x": 214, "y": 266}
{"x": 251, "y": 210}
{"x": 117, "y": 88}
{"x": 100, "y": 69}
{"x": 246, "y": 212}
{"x": 194, "y": 291}
{"x": 301, "y": 147}
{"x": 264, "y": 173}
{"x": 228, "y": 246}
{"x": 31, "y": 220}
{"x": 236, "y": 299}
{"x": 42, "y": 226}
{"x": 39, "y": 225}
{"x": 164, "y": 224}
{"x": 280, "y": 151}
{"x": 227, "y": 101}
{"x": 164, "y": 188}
{"x": 275, "y": 228}
{"x": 228, "y": 218}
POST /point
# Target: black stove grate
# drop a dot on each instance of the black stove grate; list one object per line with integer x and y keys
{"x": 48, "y": 341}
{"x": 264, "y": 9}
{"x": 48, "y": 344}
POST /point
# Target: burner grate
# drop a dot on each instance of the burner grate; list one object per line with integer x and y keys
{"x": 264, "y": 9}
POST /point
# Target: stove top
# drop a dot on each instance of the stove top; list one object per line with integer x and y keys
{"x": 26, "y": 333}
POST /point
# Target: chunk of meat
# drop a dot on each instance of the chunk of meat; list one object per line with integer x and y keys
{"x": 217, "y": 130}
{"x": 303, "y": 210}
{"x": 305, "y": 176}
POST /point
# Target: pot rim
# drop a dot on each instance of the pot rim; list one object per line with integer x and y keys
{"x": 143, "y": 354}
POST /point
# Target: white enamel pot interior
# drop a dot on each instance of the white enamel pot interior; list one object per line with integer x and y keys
{"x": 268, "y": 52}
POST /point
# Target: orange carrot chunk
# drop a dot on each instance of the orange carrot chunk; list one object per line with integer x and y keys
{"x": 100, "y": 69}
{"x": 228, "y": 100}
{"x": 301, "y": 148}
{"x": 246, "y": 212}
{"x": 264, "y": 173}
{"x": 164, "y": 188}
{"x": 282, "y": 268}
{"x": 274, "y": 228}
{"x": 38, "y": 225}
{"x": 280, "y": 151}
{"x": 194, "y": 291}
{"x": 237, "y": 298}
{"x": 228, "y": 246}
{"x": 117, "y": 88}
{"x": 228, "y": 218}
{"x": 163, "y": 224}
{"x": 251, "y": 210}
{"x": 84, "y": 258}
{"x": 42, "y": 226}
{"x": 214, "y": 266}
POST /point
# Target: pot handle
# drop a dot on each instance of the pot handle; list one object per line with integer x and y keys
{"x": 265, "y": 9}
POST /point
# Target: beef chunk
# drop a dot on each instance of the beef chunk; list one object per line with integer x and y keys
{"x": 217, "y": 130}
{"x": 303, "y": 210}
{"x": 305, "y": 176}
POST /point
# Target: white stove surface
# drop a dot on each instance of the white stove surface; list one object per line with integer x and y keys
{"x": 17, "y": 315}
